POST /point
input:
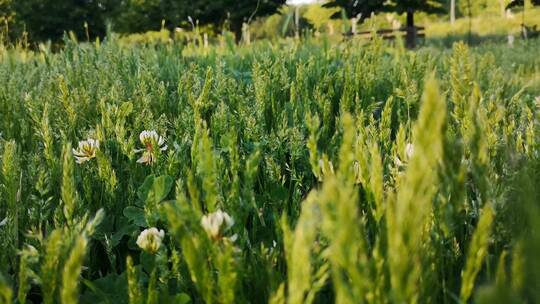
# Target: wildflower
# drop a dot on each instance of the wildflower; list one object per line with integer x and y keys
{"x": 409, "y": 151}
{"x": 150, "y": 240}
{"x": 398, "y": 162}
{"x": 86, "y": 151}
{"x": 357, "y": 173}
{"x": 152, "y": 143}
{"x": 216, "y": 224}
{"x": 327, "y": 168}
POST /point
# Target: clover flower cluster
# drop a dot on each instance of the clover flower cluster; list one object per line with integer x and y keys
{"x": 150, "y": 240}
{"x": 153, "y": 144}
{"x": 217, "y": 224}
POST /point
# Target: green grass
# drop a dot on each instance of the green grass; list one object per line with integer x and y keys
{"x": 352, "y": 173}
{"x": 485, "y": 25}
{"x": 483, "y": 28}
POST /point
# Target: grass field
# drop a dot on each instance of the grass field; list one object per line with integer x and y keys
{"x": 484, "y": 28}
{"x": 281, "y": 173}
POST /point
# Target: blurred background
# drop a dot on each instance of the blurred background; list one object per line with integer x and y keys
{"x": 245, "y": 21}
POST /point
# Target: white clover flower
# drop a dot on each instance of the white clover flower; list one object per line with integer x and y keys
{"x": 150, "y": 240}
{"x": 216, "y": 224}
{"x": 86, "y": 150}
{"x": 152, "y": 143}
{"x": 398, "y": 162}
{"x": 357, "y": 173}
{"x": 327, "y": 168}
{"x": 409, "y": 150}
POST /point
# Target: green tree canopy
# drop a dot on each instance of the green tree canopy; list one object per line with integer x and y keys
{"x": 136, "y": 16}
{"x": 411, "y": 6}
{"x": 232, "y": 13}
{"x": 48, "y": 19}
{"x": 364, "y": 8}
{"x": 6, "y": 13}
{"x": 143, "y": 15}
{"x": 356, "y": 8}
{"x": 518, "y": 3}
{"x": 404, "y": 6}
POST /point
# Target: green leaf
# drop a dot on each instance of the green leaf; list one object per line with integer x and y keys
{"x": 182, "y": 298}
{"x": 142, "y": 192}
{"x": 155, "y": 189}
{"x": 109, "y": 289}
{"x": 148, "y": 262}
{"x": 123, "y": 230}
{"x": 136, "y": 215}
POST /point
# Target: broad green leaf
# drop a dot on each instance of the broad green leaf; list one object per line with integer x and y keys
{"x": 155, "y": 189}
{"x": 136, "y": 215}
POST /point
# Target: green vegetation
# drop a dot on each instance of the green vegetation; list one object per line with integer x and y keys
{"x": 31, "y": 22}
{"x": 487, "y": 26}
{"x": 42, "y": 20}
{"x": 276, "y": 172}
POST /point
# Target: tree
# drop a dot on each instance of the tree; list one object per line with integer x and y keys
{"x": 360, "y": 9}
{"x": 410, "y": 7}
{"x": 452, "y": 11}
{"x": 481, "y": 7}
{"x": 136, "y": 16}
{"x": 6, "y": 12}
{"x": 143, "y": 15}
{"x": 7, "y": 20}
{"x": 356, "y": 10}
{"x": 48, "y": 19}
{"x": 521, "y": 3}
{"x": 365, "y": 7}
{"x": 232, "y": 13}
{"x": 318, "y": 15}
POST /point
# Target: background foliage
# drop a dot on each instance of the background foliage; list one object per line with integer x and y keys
{"x": 31, "y": 21}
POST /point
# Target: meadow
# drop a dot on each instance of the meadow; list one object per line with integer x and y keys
{"x": 287, "y": 172}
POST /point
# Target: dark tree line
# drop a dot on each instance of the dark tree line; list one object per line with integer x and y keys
{"x": 363, "y": 9}
{"x": 49, "y": 19}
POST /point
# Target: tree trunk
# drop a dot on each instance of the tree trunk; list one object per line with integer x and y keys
{"x": 469, "y": 9}
{"x": 452, "y": 11}
{"x": 236, "y": 28}
{"x": 410, "y": 40}
{"x": 297, "y": 22}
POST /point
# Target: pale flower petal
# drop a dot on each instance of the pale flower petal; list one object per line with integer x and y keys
{"x": 153, "y": 143}
{"x": 86, "y": 150}
{"x": 150, "y": 240}
{"x": 216, "y": 224}
{"x": 409, "y": 150}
